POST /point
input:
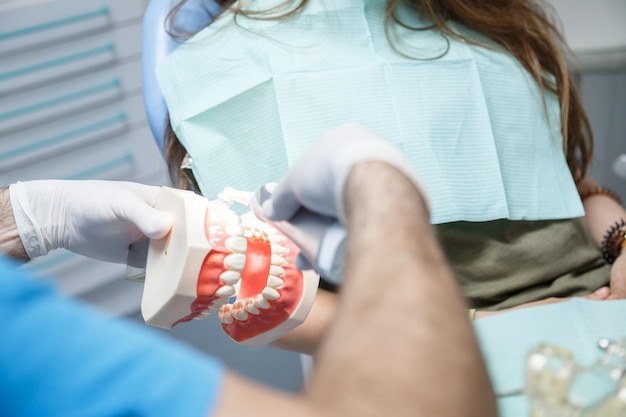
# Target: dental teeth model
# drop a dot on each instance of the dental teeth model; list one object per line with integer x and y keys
{"x": 213, "y": 260}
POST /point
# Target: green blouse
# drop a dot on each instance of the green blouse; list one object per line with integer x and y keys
{"x": 503, "y": 263}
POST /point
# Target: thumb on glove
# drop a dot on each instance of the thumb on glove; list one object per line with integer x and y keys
{"x": 153, "y": 223}
{"x": 156, "y": 226}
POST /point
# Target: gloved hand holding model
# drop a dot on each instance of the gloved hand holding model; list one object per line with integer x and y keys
{"x": 215, "y": 261}
{"x": 317, "y": 187}
{"x": 99, "y": 219}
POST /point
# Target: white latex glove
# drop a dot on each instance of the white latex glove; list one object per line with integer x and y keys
{"x": 316, "y": 182}
{"x": 307, "y": 203}
{"x": 98, "y": 219}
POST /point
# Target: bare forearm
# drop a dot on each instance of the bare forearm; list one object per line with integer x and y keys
{"x": 400, "y": 342}
{"x": 10, "y": 242}
{"x": 402, "y": 296}
{"x": 306, "y": 337}
{"x": 601, "y": 211}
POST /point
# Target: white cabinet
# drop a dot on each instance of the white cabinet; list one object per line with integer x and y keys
{"x": 71, "y": 107}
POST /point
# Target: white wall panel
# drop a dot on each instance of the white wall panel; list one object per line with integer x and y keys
{"x": 71, "y": 107}
{"x": 595, "y": 31}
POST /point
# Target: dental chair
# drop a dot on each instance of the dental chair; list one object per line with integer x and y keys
{"x": 158, "y": 43}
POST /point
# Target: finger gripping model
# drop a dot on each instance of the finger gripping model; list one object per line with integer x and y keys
{"x": 215, "y": 260}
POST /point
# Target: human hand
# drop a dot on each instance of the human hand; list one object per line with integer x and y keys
{"x": 316, "y": 182}
{"x": 307, "y": 205}
{"x": 98, "y": 219}
{"x": 618, "y": 278}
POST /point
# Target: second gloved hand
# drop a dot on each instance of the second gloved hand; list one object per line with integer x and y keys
{"x": 307, "y": 204}
{"x": 98, "y": 219}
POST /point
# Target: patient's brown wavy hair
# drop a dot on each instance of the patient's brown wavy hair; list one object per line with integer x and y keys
{"x": 524, "y": 28}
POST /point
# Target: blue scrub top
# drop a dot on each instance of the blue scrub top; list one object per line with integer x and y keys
{"x": 59, "y": 357}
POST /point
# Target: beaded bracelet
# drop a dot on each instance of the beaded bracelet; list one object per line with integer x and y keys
{"x": 601, "y": 191}
{"x": 614, "y": 241}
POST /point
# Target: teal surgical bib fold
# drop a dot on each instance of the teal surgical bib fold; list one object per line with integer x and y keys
{"x": 248, "y": 97}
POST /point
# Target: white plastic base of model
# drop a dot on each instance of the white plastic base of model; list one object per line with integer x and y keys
{"x": 174, "y": 262}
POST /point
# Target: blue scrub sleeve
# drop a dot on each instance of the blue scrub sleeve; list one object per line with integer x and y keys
{"x": 59, "y": 357}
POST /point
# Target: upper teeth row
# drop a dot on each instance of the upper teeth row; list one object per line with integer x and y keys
{"x": 235, "y": 262}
